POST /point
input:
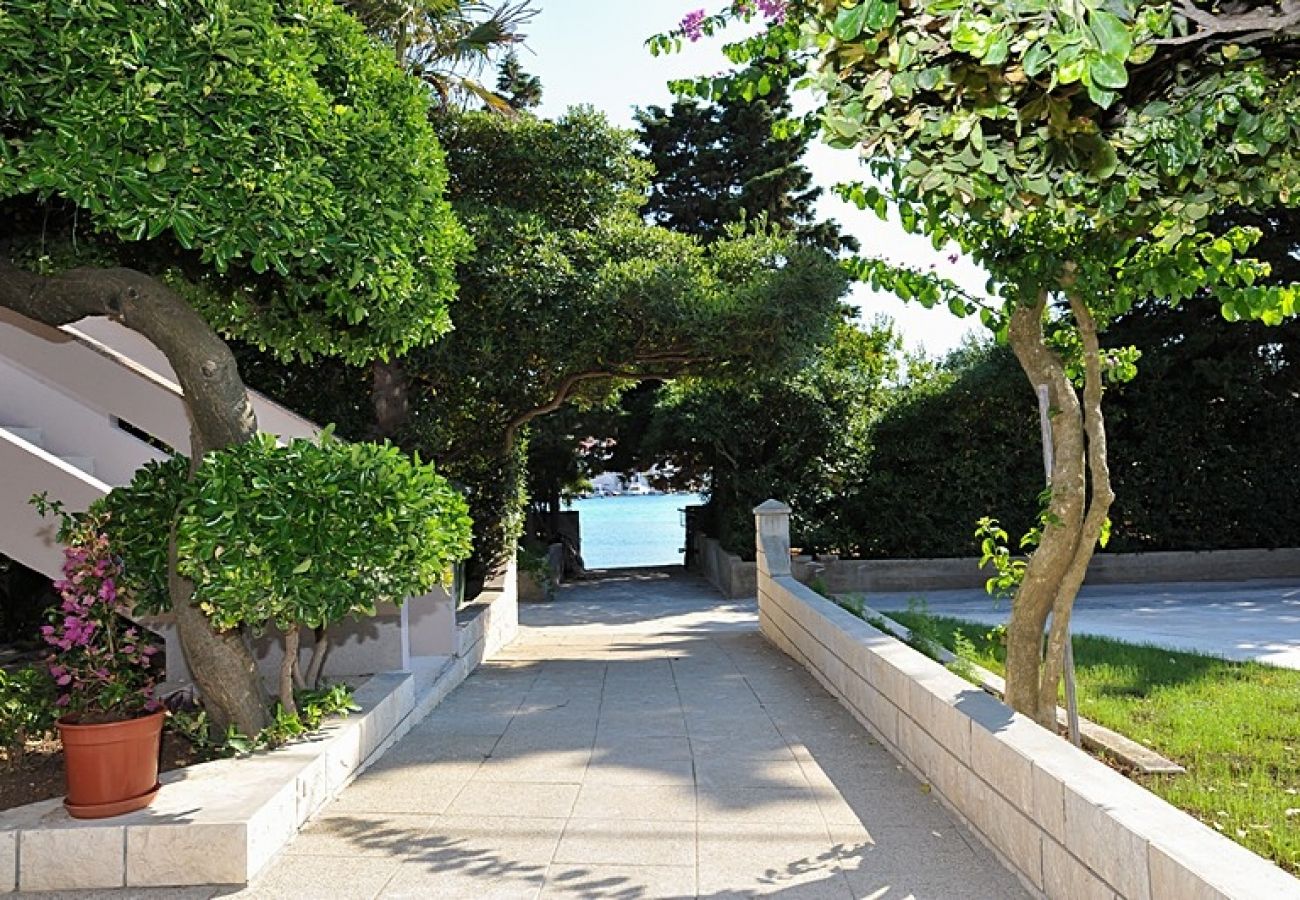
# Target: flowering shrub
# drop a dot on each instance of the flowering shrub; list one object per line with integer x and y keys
{"x": 696, "y": 24}
{"x": 102, "y": 664}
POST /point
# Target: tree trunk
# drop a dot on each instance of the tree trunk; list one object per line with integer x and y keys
{"x": 1047, "y": 565}
{"x": 317, "y": 665}
{"x": 1073, "y": 525}
{"x": 292, "y": 641}
{"x": 389, "y": 398}
{"x": 221, "y": 415}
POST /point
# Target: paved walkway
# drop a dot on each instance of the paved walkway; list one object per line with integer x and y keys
{"x": 639, "y": 739}
{"x": 1257, "y": 620}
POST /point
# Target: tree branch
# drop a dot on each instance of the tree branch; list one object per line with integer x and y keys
{"x": 221, "y": 414}
{"x": 1254, "y": 25}
{"x": 565, "y": 387}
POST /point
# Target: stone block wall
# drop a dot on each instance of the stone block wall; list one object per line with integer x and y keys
{"x": 1068, "y": 825}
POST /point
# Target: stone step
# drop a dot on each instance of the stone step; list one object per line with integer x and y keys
{"x": 33, "y": 436}
{"x": 84, "y": 463}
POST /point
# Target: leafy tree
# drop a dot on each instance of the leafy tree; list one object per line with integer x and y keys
{"x": 519, "y": 89}
{"x": 720, "y": 163}
{"x": 447, "y": 43}
{"x": 1080, "y": 153}
{"x": 141, "y": 181}
{"x": 323, "y": 530}
{"x": 801, "y": 437}
{"x": 572, "y": 296}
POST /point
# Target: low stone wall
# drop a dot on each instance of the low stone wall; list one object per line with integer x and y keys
{"x": 734, "y": 577}
{"x": 221, "y": 822}
{"x": 491, "y": 620}
{"x": 729, "y": 574}
{"x": 1067, "y": 824}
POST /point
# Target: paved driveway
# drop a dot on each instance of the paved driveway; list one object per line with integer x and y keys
{"x": 1240, "y": 620}
{"x": 639, "y": 739}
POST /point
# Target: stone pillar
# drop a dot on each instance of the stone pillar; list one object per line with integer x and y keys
{"x": 772, "y": 532}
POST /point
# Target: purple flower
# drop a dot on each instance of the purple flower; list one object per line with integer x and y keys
{"x": 693, "y": 24}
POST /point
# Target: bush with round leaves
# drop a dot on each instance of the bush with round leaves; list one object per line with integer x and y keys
{"x": 300, "y": 535}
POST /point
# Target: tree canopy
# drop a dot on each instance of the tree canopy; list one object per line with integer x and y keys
{"x": 720, "y": 163}
{"x": 258, "y": 169}
{"x": 141, "y": 131}
{"x": 1079, "y": 152}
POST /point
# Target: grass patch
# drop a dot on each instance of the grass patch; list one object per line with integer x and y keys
{"x": 1234, "y": 726}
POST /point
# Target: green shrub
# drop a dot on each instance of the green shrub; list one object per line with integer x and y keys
{"x": 299, "y": 535}
{"x": 27, "y": 709}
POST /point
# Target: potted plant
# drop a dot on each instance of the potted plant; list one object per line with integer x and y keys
{"x": 102, "y": 665}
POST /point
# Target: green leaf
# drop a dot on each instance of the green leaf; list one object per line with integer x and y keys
{"x": 1113, "y": 36}
{"x": 1036, "y": 60}
{"x": 302, "y": 567}
{"x": 850, "y": 22}
{"x": 881, "y": 14}
{"x": 1107, "y": 72}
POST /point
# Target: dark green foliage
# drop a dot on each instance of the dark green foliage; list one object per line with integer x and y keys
{"x": 717, "y": 164}
{"x": 268, "y": 157}
{"x": 519, "y": 89}
{"x": 1202, "y": 445}
{"x": 27, "y": 709}
{"x": 801, "y": 438}
{"x": 953, "y": 447}
{"x": 304, "y": 534}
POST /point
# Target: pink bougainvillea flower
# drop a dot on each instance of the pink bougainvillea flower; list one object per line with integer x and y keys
{"x": 693, "y": 24}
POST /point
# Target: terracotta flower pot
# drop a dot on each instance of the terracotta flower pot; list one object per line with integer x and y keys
{"x": 111, "y": 768}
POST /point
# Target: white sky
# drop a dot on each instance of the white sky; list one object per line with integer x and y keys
{"x": 593, "y": 51}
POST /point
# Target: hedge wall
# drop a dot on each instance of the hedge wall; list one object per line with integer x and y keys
{"x": 1204, "y": 446}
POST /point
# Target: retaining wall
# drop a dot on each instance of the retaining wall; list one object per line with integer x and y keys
{"x": 734, "y": 577}
{"x": 1068, "y": 825}
{"x": 220, "y": 823}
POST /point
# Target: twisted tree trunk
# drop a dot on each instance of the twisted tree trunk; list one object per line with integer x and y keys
{"x": 220, "y": 416}
{"x": 1079, "y": 503}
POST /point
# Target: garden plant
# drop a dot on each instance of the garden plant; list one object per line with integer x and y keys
{"x": 140, "y": 183}
{"x": 1081, "y": 154}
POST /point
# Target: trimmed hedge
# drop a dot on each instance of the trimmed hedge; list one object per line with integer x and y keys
{"x": 1203, "y": 446}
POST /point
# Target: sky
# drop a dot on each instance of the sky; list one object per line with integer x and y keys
{"x": 593, "y": 52}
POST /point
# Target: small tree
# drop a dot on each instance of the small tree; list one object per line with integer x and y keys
{"x": 518, "y": 88}
{"x": 1079, "y": 153}
{"x": 256, "y": 169}
{"x": 719, "y": 163}
{"x": 290, "y": 537}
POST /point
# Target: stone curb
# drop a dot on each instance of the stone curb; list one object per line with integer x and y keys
{"x": 220, "y": 822}
{"x": 1068, "y": 825}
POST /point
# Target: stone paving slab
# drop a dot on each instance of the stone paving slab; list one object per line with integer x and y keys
{"x": 1246, "y": 620}
{"x": 645, "y": 742}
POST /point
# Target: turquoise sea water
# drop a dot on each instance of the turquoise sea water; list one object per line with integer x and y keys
{"x": 633, "y": 530}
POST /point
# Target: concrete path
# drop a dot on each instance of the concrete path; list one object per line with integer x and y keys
{"x": 1257, "y": 620}
{"x": 640, "y": 739}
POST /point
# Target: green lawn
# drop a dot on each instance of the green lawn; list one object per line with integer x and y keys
{"x": 1234, "y": 726}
